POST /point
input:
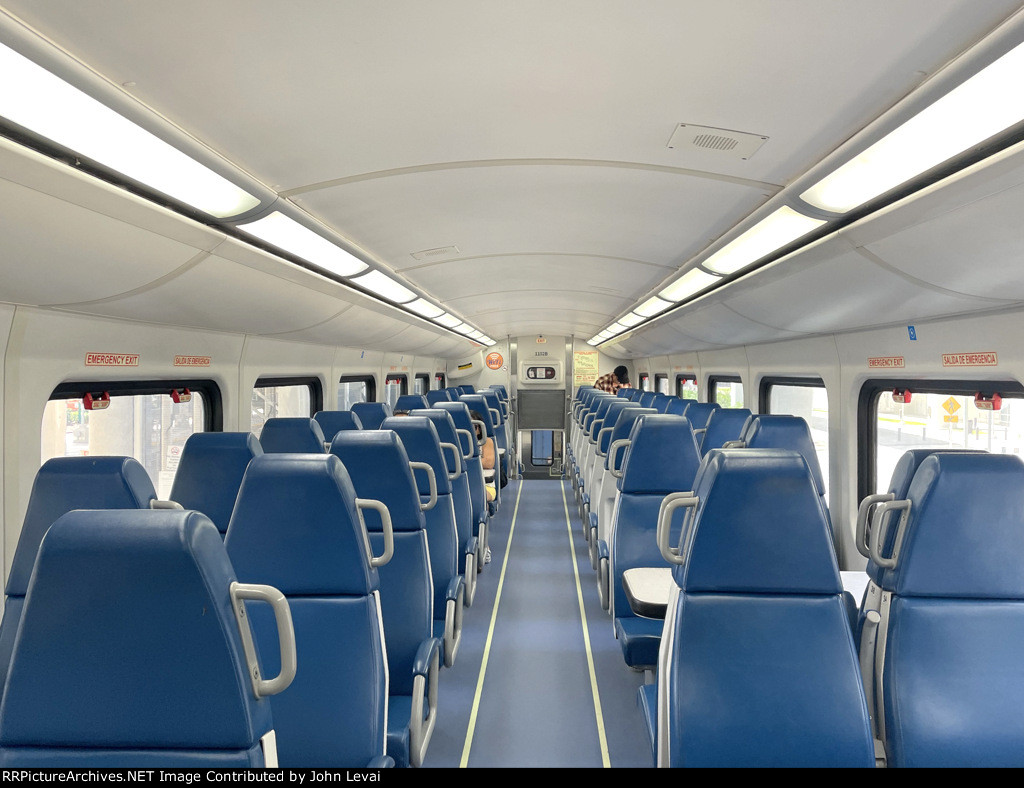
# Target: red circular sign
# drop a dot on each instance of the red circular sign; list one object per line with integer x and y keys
{"x": 494, "y": 360}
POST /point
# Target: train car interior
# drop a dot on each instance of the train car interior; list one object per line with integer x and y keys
{"x": 536, "y": 385}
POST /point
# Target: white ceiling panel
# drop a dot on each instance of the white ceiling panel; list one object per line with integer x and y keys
{"x": 834, "y": 288}
{"x": 479, "y": 306}
{"x": 620, "y": 212}
{"x": 713, "y": 322}
{"x": 299, "y": 93}
{"x": 976, "y": 249}
{"x": 225, "y": 296}
{"x": 55, "y": 252}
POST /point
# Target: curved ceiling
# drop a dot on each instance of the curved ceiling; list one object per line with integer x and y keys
{"x": 533, "y": 139}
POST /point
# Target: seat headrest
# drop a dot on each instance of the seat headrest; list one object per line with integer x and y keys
{"x": 699, "y": 412}
{"x": 623, "y": 393}
{"x": 434, "y": 397}
{"x": 647, "y": 399}
{"x": 724, "y": 424}
{"x": 149, "y": 654}
{"x": 445, "y": 427}
{"x": 476, "y": 402}
{"x": 292, "y": 436}
{"x": 411, "y": 402}
{"x": 677, "y": 406}
{"x": 371, "y": 414}
{"x": 906, "y": 467}
{"x": 467, "y": 389}
{"x": 334, "y": 421}
{"x": 611, "y": 417}
{"x": 627, "y": 418}
{"x": 66, "y": 483}
{"x": 635, "y": 395}
{"x": 965, "y": 532}
{"x": 460, "y": 417}
{"x": 295, "y": 527}
{"x": 662, "y": 456}
{"x": 661, "y": 402}
{"x": 759, "y": 528}
{"x": 422, "y": 444}
{"x": 379, "y": 468}
{"x": 500, "y": 388}
{"x": 494, "y": 401}
{"x": 785, "y": 432}
{"x": 210, "y": 472}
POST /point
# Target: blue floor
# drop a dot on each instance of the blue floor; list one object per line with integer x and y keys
{"x": 536, "y": 705}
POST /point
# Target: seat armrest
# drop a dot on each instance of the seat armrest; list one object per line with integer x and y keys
{"x": 381, "y": 762}
{"x": 455, "y": 587}
{"x": 429, "y": 650}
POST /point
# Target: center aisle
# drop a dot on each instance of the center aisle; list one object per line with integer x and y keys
{"x": 536, "y": 704}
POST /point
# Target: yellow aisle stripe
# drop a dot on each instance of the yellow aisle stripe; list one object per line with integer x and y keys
{"x": 490, "y": 633}
{"x": 605, "y": 761}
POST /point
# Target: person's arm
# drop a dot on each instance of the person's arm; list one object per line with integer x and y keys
{"x": 487, "y": 454}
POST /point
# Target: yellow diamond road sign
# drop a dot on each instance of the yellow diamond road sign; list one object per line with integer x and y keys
{"x": 951, "y": 406}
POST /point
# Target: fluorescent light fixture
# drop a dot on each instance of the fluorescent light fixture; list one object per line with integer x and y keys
{"x": 489, "y": 342}
{"x": 448, "y": 320}
{"x": 465, "y": 328}
{"x": 476, "y": 335}
{"x": 689, "y": 283}
{"x": 984, "y": 105}
{"x": 286, "y": 233}
{"x": 384, "y": 286}
{"x": 44, "y": 103}
{"x": 606, "y": 334}
{"x": 632, "y": 319}
{"x": 593, "y": 341}
{"x": 651, "y": 307}
{"x": 772, "y": 232}
{"x": 615, "y": 328}
{"x": 423, "y": 307}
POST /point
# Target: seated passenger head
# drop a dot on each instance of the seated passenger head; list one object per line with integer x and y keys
{"x": 622, "y": 374}
{"x": 400, "y": 413}
{"x": 477, "y": 420}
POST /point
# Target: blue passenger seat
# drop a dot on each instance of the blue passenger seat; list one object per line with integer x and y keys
{"x": 371, "y": 414}
{"x": 410, "y": 402}
{"x": 63, "y": 484}
{"x": 292, "y": 436}
{"x": 334, "y": 421}
{"x": 661, "y": 459}
{"x": 723, "y": 425}
{"x": 296, "y": 527}
{"x": 434, "y": 397}
{"x": 948, "y": 665}
{"x": 210, "y": 472}
{"x": 379, "y": 468}
{"x": 150, "y": 667}
{"x": 758, "y": 666}
{"x": 479, "y": 517}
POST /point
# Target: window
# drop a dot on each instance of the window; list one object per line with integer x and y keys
{"x": 645, "y": 381}
{"x": 439, "y": 381}
{"x": 807, "y": 399}
{"x": 686, "y": 386}
{"x": 421, "y": 384}
{"x": 356, "y": 388}
{"x": 661, "y": 383}
{"x": 726, "y": 391}
{"x": 394, "y": 387}
{"x": 940, "y": 415}
{"x": 283, "y": 397}
{"x": 142, "y": 421}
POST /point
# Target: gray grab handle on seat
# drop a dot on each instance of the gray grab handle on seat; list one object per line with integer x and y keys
{"x": 878, "y": 532}
{"x": 460, "y": 431}
{"x": 601, "y": 432}
{"x": 385, "y": 518}
{"x": 483, "y": 432}
{"x": 240, "y": 592}
{"x": 616, "y": 445}
{"x": 669, "y": 504}
{"x": 457, "y": 455}
{"x": 864, "y": 512}
{"x": 155, "y": 504}
{"x": 734, "y": 445}
{"x": 431, "y": 480}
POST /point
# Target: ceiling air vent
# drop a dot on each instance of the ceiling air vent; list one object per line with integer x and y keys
{"x": 436, "y": 254}
{"x": 736, "y": 144}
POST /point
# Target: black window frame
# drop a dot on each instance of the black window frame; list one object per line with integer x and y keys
{"x": 425, "y": 377}
{"x": 368, "y": 380}
{"x": 316, "y": 389}
{"x": 213, "y": 405}
{"x": 683, "y": 376}
{"x": 643, "y": 378}
{"x": 867, "y": 423}
{"x": 401, "y": 377}
{"x": 764, "y": 391}
{"x": 714, "y": 380}
{"x": 658, "y": 377}
{"x": 441, "y": 380}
